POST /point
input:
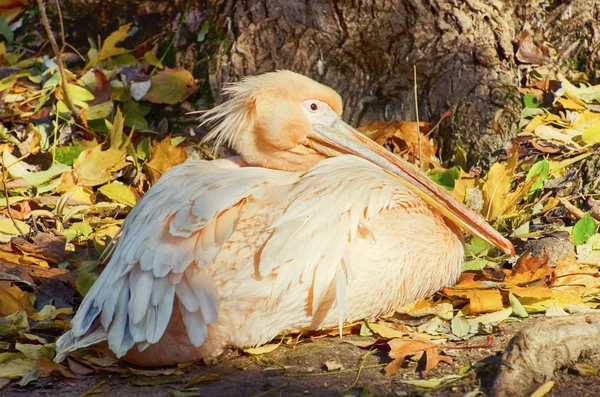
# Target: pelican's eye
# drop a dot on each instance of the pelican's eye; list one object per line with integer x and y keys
{"x": 314, "y": 107}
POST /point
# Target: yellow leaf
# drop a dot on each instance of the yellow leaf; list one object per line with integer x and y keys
{"x": 264, "y": 349}
{"x": 535, "y": 122}
{"x": 9, "y": 230}
{"x": 118, "y": 192}
{"x": 95, "y": 166}
{"x": 427, "y": 307}
{"x": 14, "y": 369}
{"x": 591, "y": 133}
{"x": 461, "y": 185}
{"x": 494, "y": 317}
{"x": 13, "y": 299}
{"x": 543, "y": 389}
{"x": 109, "y": 47}
{"x": 571, "y": 104}
{"x": 163, "y": 157}
{"x": 386, "y": 332}
{"x": 497, "y": 186}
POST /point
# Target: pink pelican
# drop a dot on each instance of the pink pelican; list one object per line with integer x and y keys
{"x": 313, "y": 225}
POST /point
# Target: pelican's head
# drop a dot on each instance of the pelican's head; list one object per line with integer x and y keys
{"x": 267, "y": 119}
{"x": 286, "y": 121}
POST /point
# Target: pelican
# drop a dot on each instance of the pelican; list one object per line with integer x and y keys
{"x": 311, "y": 226}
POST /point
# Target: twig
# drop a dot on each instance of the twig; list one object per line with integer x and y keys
{"x": 488, "y": 343}
{"x": 576, "y": 212}
{"x": 417, "y": 114}
{"x": 2, "y": 170}
{"x": 58, "y": 53}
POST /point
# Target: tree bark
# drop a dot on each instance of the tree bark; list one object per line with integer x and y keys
{"x": 464, "y": 52}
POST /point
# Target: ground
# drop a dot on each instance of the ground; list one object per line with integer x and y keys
{"x": 300, "y": 370}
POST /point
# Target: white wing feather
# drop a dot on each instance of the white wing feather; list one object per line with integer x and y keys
{"x": 167, "y": 240}
{"x": 329, "y": 206}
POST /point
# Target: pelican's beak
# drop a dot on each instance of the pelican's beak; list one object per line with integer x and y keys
{"x": 340, "y": 138}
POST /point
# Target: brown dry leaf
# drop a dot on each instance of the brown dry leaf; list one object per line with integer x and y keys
{"x": 47, "y": 367}
{"x": 433, "y": 358}
{"x": 402, "y": 348}
{"x": 95, "y": 166}
{"x": 530, "y": 277}
{"x": 403, "y": 135}
{"x": 19, "y": 266}
{"x": 13, "y": 299}
{"x": 45, "y": 245}
{"x": 497, "y": 186}
{"x": 202, "y": 379}
{"x": 164, "y": 156}
{"x": 532, "y": 52}
{"x": 480, "y": 300}
{"x": 529, "y": 263}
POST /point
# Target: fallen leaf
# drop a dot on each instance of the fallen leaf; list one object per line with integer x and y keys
{"x": 402, "y": 348}
{"x": 460, "y": 327}
{"x": 13, "y": 299}
{"x": 109, "y": 46}
{"x": 433, "y": 358}
{"x": 385, "y": 331}
{"x": 163, "y": 157}
{"x": 264, "y": 349}
{"x": 543, "y": 389}
{"x": 333, "y": 365}
{"x": 170, "y": 86}
{"x": 480, "y": 300}
{"x": 95, "y": 166}
{"x": 202, "y": 379}
{"x": 496, "y": 186}
{"x": 118, "y": 192}
{"x": 583, "y": 229}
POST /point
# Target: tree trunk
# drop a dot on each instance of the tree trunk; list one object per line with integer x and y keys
{"x": 463, "y": 51}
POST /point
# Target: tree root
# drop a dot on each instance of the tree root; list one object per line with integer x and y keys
{"x": 538, "y": 350}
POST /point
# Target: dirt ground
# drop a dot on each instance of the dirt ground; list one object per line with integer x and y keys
{"x": 301, "y": 371}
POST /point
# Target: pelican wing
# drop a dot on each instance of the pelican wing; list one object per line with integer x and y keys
{"x": 166, "y": 242}
{"x": 329, "y": 208}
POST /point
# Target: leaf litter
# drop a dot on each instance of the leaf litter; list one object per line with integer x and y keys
{"x": 68, "y": 183}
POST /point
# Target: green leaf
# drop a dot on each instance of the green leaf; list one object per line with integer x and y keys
{"x": 446, "y": 178}
{"x": 135, "y": 114}
{"x": 101, "y": 111}
{"x": 477, "y": 247}
{"x": 517, "y": 308}
{"x": 84, "y": 282}
{"x": 531, "y": 101}
{"x": 583, "y": 230}
{"x": 78, "y": 229}
{"x": 143, "y": 149}
{"x": 6, "y": 31}
{"x": 67, "y": 154}
{"x": 541, "y": 169}
{"x": 477, "y": 264}
{"x": 176, "y": 141}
